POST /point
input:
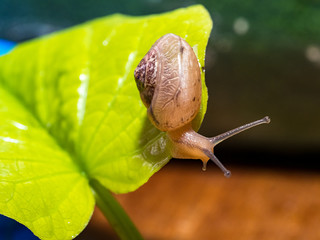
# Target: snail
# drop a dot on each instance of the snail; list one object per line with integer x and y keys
{"x": 169, "y": 81}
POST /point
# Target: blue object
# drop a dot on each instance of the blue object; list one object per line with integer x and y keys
{"x": 12, "y": 230}
{"x": 6, "y": 46}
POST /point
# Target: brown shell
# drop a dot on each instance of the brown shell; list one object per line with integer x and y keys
{"x": 169, "y": 81}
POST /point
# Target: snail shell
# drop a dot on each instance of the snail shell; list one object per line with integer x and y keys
{"x": 169, "y": 81}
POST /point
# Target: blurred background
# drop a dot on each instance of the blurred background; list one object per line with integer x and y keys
{"x": 263, "y": 58}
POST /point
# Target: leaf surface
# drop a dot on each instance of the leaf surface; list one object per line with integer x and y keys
{"x": 40, "y": 186}
{"x": 70, "y": 112}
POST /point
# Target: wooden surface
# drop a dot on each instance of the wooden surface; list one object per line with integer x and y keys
{"x": 186, "y": 203}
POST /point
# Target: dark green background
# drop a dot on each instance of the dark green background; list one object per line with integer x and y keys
{"x": 265, "y": 71}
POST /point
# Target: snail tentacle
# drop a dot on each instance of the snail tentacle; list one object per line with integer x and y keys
{"x": 213, "y": 158}
{"x": 218, "y": 139}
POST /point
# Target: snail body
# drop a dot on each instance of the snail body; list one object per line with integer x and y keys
{"x": 169, "y": 81}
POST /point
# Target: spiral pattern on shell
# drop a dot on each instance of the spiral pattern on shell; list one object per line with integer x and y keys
{"x": 145, "y": 76}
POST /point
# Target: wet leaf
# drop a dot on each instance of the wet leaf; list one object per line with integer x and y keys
{"x": 70, "y": 112}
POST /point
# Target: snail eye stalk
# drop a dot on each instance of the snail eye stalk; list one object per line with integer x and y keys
{"x": 218, "y": 139}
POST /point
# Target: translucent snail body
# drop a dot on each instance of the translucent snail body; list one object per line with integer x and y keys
{"x": 169, "y": 81}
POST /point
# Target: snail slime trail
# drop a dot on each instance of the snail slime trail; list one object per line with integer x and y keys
{"x": 169, "y": 82}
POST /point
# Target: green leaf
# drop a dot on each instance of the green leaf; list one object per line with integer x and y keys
{"x": 40, "y": 186}
{"x": 70, "y": 113}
